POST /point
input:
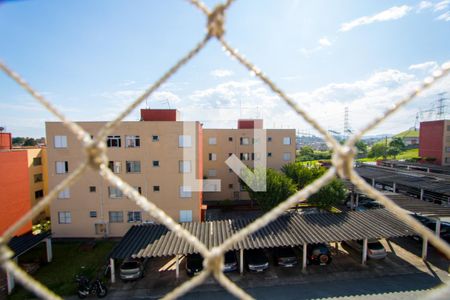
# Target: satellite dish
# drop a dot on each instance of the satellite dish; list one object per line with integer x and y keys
{"x": 2, "y": 129}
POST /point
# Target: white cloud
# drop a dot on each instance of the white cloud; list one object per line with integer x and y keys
{"x": 392, "y": 13}
{"x": 425, "y": 66}
{"x": 221, "y": 73}
{"x": 444, "y": 17}
{"x": 324, "y": 42}
{"x": 424, "y": 5}
{"x": 441, "y": 5}
{"x": 127, "y": 82}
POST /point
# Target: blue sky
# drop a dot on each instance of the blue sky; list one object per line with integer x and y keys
{"x": 92, "y": 58}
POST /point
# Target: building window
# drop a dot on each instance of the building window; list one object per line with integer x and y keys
{"x": 38, "y": 178}
{"x": 185, "y": 141}
{"x": 156, "y": 163}
{"x": 93, "y": 214}
{"x": 115, "y": 166}
{"x": 230, "y": 138}
{"x": 241, "y": 187}
{"x": 64, "y": 217}
{"x": 269, "y": 138}
{"x": 212, "y": 156}
{"x": 448, "y": 127}
{"x": 138, "y": 189}
{"x": 185, "y": 191}
{"x": 132, "y": 141}
{"x": 256, "y": 156}
{"x": 447, "y": 149}
{"x": 244, "y": 156}
{"x": 448, "y": 139}
{"x": 212, "y": 172}
{"x": 156, "y": 188}
{"x": 230, "y": 186}
{"x": 62, "y": 167}
{"x": 60, "y": 141}
{"x": 114, "y": 192}
{"x": 64, "y": 194}
{"x": 185, "y": 216}
{"x": 269, "y": 154}
{"x": 185, "y": 166}
{"x": 229, "y": 154}
{"x": 113, "y": 141}
{"x": 116, "y": 217}
{"x": 287, "y": 156}
{"x": 212, "y": 141}
{"x": 37, "y": 161}
{"x": 133, "y": 166}
{"x": 245, "y": 141}
{"x": 447, "y": 159}
{"x": 286, "y": 140}
{"x": 38, "y": 194}
{"x": 230, "y": 170}
{"x": 155, "y": 138}
{"x": 92, "y": 189}
{"x": 134, "y": 216}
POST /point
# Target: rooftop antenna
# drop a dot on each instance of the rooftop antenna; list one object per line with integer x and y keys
{"x": 346, "y": 123}
{"x": 440, "y": 109}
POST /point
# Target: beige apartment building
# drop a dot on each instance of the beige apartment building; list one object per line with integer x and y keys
{"x": 220, "y": 144}
{"x": 160, "y": 156}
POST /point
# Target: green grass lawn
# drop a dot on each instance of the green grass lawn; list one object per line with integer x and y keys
{"x": 408, "y": 154}
{"x": 68, "y": 260}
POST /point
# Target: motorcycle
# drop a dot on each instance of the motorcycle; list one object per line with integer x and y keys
{"x": 87, "y": 287}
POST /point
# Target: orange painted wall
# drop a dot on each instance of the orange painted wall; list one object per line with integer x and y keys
{"x": 14, "y": 189}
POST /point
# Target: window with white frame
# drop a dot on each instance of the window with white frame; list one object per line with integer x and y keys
{"x": 62, "y": 167}
{"x": 114, "y": 192}
{"x": 185, "y": 191}
{"x": 93, "y": 214}
{"x": 212, "y": 141}
{"x": 60, "y": 141}
{"x": 155, "y": 138}
{"x": 245, "y": 141}
{"x": 133, "y": 166}
{"x": 134, "y": 216}
{"x": 212, "y": 156}
{"x": 64, "y": 194}
{"x": 212, "y": 172}
{"x": 132, "y": 141}
{"x": 286, "y": 140}
{"x": 115, "y": 166}
{"x": 64, "y": 217}
{"x": 113, "y": 141}
{"x": 244, "y": 156}
{"x": 287, "y": 156}
{"x": 156, "y": 163}
{"x": 116, "y": 217}
{"x": 185, "y": 166}
{"x": 185, "y": 141}
{"x": 185, "y": 216}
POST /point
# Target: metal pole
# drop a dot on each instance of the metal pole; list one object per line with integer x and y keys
{"x": 373, "y": 182}
{"x": 48, "y": 246}
{"x": 113, "y": 270}
{"x": 177, "y": 266}
{"x": 305, "y": 249}
{"x": 424, "y": 248}
{"x": 364, "y": 254}
{"x": 352, "y": 200}
{"x": 438, "y": 227}
{"x": 357, "y": 200}
{"x": 241, "y": 261}
{"x": 10, "y": 280}
{"x": 394, "y": 187}
{"x": 421, "y": 194}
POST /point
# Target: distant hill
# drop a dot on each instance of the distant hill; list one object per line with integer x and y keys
{"x": 410, "y": 133}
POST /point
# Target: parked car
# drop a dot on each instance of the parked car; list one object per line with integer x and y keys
{"x": 375, "y": 250}
{"x": 132, "y": 269}
{"x": 257, "y": 260}
{"x": 285, "y": 257}
{"x": 230, "y": 262}
{"x": 194, "y": 264}
{"x": 319, "y": 254}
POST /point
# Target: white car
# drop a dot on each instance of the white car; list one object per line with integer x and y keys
{"x": 375, "y": 250}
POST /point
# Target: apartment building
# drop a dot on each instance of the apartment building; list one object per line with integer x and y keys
{"x": 220, "y": 144}
{"x": 434, "y": 141}
{"x": 23, "y": 175}
{"x": 160, "y": 156}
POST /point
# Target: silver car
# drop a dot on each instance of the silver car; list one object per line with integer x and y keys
{"x": 132, "y": 269}
{"x": 375, "y": 249}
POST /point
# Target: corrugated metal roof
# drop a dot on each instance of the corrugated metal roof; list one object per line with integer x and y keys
{"x": 21, "y": 244}
{"x": 291, "y": 229}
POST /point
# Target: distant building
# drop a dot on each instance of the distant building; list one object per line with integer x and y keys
{"x": 410, "y": 137}
{"x": 23, "y": 182}
{"x": 434, "y": 141}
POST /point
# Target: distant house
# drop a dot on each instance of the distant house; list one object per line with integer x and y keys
{"x": 410, "y": 137}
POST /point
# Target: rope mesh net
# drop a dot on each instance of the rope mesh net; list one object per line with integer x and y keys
{"x": 96, "y": 158}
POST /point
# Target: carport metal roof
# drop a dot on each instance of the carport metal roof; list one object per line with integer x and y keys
{"x": 290, "y": 229}
{"x": 23, "y": 243}
{"x": 427, "y": 182}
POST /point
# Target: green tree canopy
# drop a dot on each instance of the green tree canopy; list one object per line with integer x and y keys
{"x": 301, "y": 174}
{"x": 306, "y": 151}
{"x": 361, "y": 147}
{"x": 398, "y": 143}
{"x": 378, "y": 150}
{"x": 330, "y": 195}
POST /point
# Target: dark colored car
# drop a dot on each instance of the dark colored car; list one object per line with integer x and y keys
{"x": 194, "y": 264}
{"x": 132, "y": 269}
{"x": 257, "y": 260}
{"x": 230, "y": 262}
{"x": 285, "y": 257}
{"x": 319, "y": 254}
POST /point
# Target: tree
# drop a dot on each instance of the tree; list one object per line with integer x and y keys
{"x": 329, "y": 195}
{"x": 393, "y": 151}
{"x": 361, "y": 147}
{"x": 278, "y": 188}
{"x": 18, "y": 141}
{"x": 29, "y": 142}
{"x": 302, "y": 175}
{"x": 306, "y": 151}
{"x": 398, "y": 143}
{"x": 378, "y": 150}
